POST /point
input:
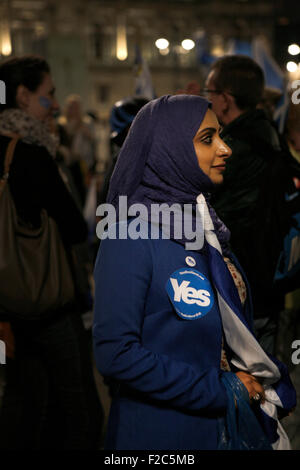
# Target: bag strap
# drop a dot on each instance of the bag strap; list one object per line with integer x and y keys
{"x": 9, "y": 155}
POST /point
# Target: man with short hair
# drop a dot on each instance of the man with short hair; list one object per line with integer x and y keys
{"x": 235, "y": 87}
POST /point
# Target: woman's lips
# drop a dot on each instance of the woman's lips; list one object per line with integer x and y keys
{"x": 221, "y": 167}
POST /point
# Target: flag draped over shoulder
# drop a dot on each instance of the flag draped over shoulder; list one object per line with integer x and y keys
{"x": 248, "y": 355}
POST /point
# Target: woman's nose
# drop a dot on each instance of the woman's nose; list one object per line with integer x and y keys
{"x": 224, "y": 150}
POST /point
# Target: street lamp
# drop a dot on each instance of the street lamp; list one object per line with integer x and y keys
{"x": 188, "y": 44}
{"x": 291, "y": 66}
{"x": 162, "y": 43}
{"x": 293, "y": 49}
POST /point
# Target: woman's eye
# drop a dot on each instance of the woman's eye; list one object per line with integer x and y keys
{"x": 207, "y": 139}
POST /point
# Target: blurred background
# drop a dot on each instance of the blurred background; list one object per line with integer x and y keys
{"x": 98, "y": 49}
{"x": 103, "y": 51}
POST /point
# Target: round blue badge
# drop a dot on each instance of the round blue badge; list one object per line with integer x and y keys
{"x": 190, "y": 293}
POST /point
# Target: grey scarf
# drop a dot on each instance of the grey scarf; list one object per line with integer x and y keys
{"x": 31, "y": 130}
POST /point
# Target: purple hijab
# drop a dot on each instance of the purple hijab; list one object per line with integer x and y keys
{"x": 158, "y": 163}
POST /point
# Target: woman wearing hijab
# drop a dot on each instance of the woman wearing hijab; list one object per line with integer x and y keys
{"x": 172, "y": 319}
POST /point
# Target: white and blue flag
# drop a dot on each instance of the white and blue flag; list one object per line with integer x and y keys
{"x": 248, "y": 355}
{"x": 143, "y": 85}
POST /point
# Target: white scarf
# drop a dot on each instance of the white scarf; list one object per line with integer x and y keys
{"x": 248, "y": 355}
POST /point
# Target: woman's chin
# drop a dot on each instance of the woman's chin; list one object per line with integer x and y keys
{"x": 217, "y": 179}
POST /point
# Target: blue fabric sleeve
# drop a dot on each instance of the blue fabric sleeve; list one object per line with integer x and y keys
{"x": 122, "y": 276}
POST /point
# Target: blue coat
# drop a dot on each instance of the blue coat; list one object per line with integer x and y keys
{"x": 167, "y": 365}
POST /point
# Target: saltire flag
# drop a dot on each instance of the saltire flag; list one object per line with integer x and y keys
{"x": 143, "y": 81}
{"x": 247, "y": 354}
{"x": 237, "y": 46}
{"x": 204, "y": 56}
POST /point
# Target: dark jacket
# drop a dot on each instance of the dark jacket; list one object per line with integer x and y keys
{"x": 35, "y": 183}
{"x": 254, "y": 142}
{"x": 169, "y": 394}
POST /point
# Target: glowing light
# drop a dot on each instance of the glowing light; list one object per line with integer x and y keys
{"x": 291, "y": 66}
{"x": 164, "y": 51}
{"x": 122, "y": 52}
{"x": 6, "y": 47}
{"x": 162, "y": 43}
{"x": 218, "y": 51}
{"x": 188, "y": 44}
{"x": 293, "y": 49}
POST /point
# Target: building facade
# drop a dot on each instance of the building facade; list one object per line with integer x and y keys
{"x": 80, "y": 38}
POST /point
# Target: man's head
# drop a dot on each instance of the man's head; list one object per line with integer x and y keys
{"x": 292, "y": 127}
{"x": 234, "y": 85}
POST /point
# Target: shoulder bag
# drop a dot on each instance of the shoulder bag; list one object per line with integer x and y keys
{"x": 35, "y": 275}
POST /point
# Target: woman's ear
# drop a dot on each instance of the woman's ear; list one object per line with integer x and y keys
{"x": 22, "y": 97}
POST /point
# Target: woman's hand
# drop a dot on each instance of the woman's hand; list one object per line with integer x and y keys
{"x": 252, "y": 385}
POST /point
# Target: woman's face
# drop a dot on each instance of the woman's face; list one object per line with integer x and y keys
{"x": 73, "y": 110}
{"x": 40, "y": 103}
{"x": 210, "y": 149}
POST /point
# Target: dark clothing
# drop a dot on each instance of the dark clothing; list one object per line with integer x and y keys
{"x": 35, "y": 183}
{"x": 253, "y": 140}
{"x": 50, "y": 399}
{"x": 168, "y": 368}
{"x": 105, "y": 187}
{"x": 75, "y": 168}
{"x": 244, "y": 169}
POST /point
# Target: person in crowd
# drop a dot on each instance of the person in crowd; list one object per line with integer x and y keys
{"x": 84, "y": 263}
{"x": 192, "y": 88}
{"x": 50, "y": 399}
{"x": 289, "y": 320}
{"x": 173, "y": 323}
{"x": 121, "y": 117}
{"x": 235, "y": 86}
{"x": 270, "y": 99}
{"x": 122, "y": 114}
{"x": 290, "y": 141}
{"x": 292, "y": 131}
{"x": 78, "y": 141}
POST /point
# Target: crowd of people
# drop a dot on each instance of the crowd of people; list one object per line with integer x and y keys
{"x": 186, "y": 338}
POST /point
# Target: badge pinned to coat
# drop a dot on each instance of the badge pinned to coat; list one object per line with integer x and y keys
{"x": 190, "y": 293}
